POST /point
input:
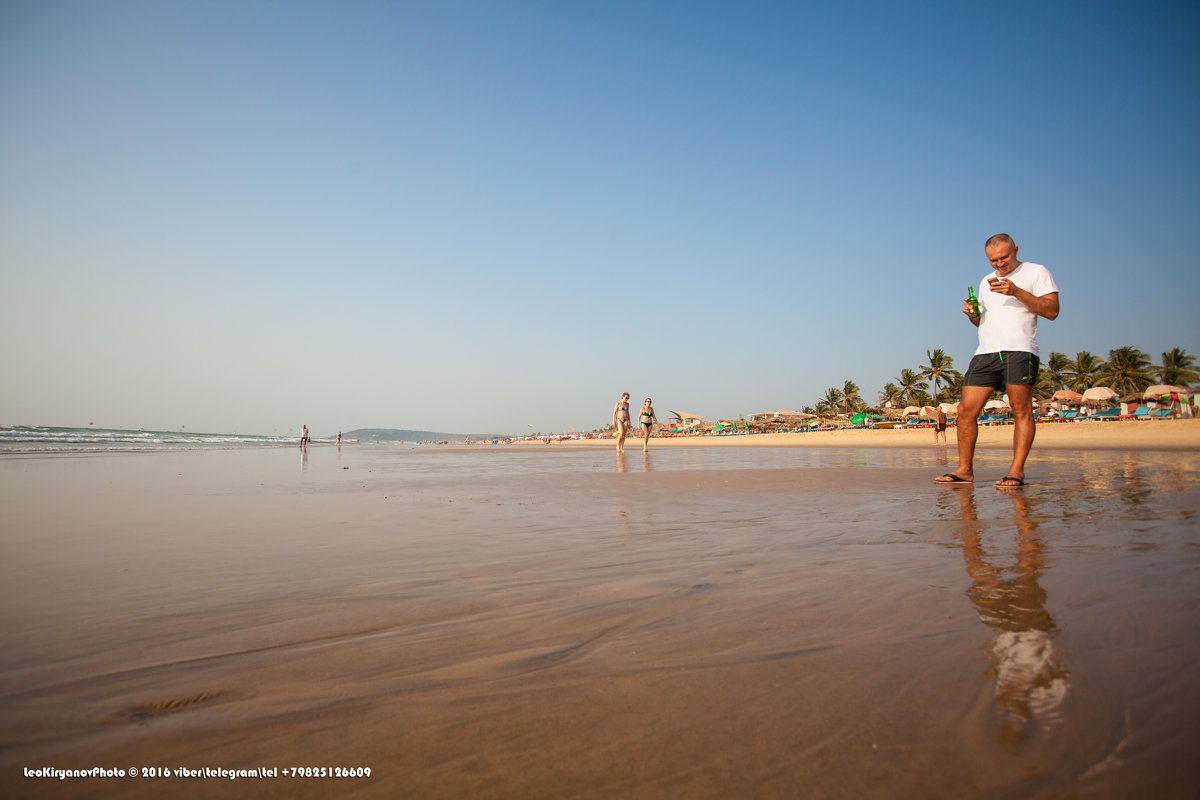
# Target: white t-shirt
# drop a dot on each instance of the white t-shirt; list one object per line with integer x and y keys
{"x": 1007, "y": 323}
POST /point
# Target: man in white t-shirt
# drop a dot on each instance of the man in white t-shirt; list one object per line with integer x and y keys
{"x": 1011, "y": 299}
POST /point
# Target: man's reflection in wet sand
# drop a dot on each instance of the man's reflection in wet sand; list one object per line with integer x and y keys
{"x": 1030, "y": 682}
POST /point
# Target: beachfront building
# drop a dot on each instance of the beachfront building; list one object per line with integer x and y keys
{"x": 1180, "y": 401}
{"x": 784, "y": 415}
{"x": 680, "y": 419}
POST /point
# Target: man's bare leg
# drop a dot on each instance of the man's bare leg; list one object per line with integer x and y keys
{"x": 968, "y": 432}
{"x": 1020, "y": 400}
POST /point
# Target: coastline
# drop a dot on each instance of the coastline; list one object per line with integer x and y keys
{"x": 1181, "y": 435}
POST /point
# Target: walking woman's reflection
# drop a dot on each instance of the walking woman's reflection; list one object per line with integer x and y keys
{"x": 1031, "y": 683}
{"x": 622, "y": 467}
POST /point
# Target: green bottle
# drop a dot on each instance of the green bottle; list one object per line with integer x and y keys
{"x": 973, "y": 302}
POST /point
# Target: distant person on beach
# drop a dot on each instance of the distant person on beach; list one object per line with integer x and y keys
{"x": 339, "y": 439}
{"x": 303, "y": 435}
{"x": 621, "y": 421}
{"x": 939, "y": 428}
{"x": 1010, "y": 301}
{"x": 647, "y": 420}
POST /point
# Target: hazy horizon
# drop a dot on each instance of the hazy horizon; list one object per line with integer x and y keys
{"x": 486, "y": 216}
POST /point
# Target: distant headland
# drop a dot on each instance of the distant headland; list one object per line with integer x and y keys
{"x": 397, "y": 435}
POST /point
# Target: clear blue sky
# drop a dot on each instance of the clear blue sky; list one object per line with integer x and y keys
{"x": 480, "y": 216}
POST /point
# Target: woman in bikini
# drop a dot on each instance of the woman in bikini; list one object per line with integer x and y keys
{"x": 647, "y": 418}
{"x": 621, "y": 421}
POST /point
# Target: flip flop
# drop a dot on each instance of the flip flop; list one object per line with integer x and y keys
{"x": 1009, "y": 482}
{"x": 950, "y": 477}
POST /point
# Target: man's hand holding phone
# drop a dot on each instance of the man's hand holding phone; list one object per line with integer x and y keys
{"x": 1002, "y": 286}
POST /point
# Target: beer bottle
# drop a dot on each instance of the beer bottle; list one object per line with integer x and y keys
{"x": 973, "y": 302}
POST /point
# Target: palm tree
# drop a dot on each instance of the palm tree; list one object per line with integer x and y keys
{"x": 1176, "y": 369}
{"x": 1084, "y": 371}
{"x": 851, "y": 399}
{"x": 891, "y": 394}
{"x": 953, "y": 390}
{"x": 910, "y": 382}
{"x": 938, "y": 371}
{"x": 832, "y": 401}
{"x": 1127, "y": 370}
{"x": 1046, "y": 386}
{"x": 1055, "y": 373}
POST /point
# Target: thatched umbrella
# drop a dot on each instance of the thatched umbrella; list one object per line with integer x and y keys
{"x": 1164, "y": 390}
{"x": 1100, "y": 396}
{"x": 1065, "y": 397}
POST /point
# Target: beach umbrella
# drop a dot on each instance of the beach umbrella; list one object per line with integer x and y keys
{"x": 991, "y": 404}
{"x": 927, "y": 411}
{"x": 949, "y": 408}
{"x": 1067, "y": 396}
{"x": 912, "y": 410}
{"x": 1100, "y": 395}
{"x": 858, "y": 418}
{"x": 1162, "y": 390}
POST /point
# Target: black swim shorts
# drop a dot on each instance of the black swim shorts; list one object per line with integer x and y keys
{"x": 997, "y": 370}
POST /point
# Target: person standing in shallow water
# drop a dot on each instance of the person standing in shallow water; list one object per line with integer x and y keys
{"x": 1010, "y": 301}
{"x": 939, "y": 427}
{"x": 647, "y": 419}
{"x": 621, "y": 421}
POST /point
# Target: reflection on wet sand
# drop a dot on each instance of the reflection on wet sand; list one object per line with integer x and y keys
{"x": 645, "y": 465}
{"x": 532, "y": 623}
{"x": 1031, "y": 683}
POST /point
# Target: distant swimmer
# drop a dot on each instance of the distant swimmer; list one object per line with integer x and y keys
{"x": 647, "y": 420}
{"x": 621, "y": 421}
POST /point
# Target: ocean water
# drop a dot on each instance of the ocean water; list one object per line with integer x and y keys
{"x": 41, "y": 439}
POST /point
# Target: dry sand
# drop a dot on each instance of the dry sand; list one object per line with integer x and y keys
{"x": 1128, "y": 435}
{"x": 513, "y": 623}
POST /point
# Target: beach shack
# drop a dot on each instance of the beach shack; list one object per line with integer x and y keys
{"x": 1179, "y": 400}
{"x": 683, "y": 421}
{"x": 784, "y": 415}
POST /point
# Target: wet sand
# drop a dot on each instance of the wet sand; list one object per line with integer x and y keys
{"x": 757, "y": 622}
